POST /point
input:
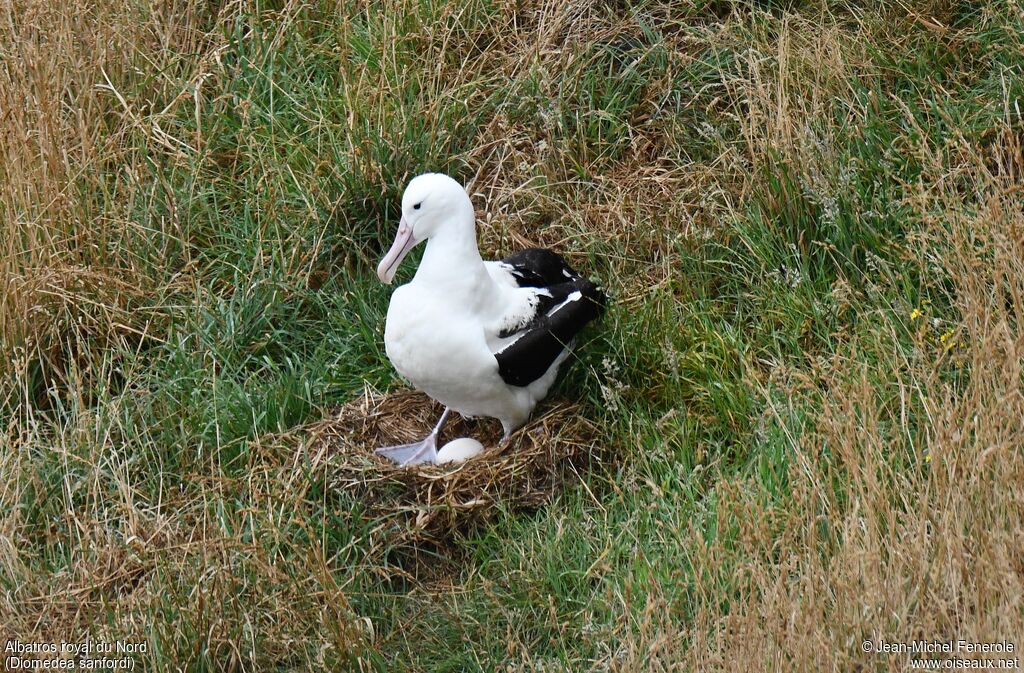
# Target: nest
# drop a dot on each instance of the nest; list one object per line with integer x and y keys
{"x": 431, "y": 504}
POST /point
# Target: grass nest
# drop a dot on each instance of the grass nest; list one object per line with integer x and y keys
{"x": 432, "y": 504}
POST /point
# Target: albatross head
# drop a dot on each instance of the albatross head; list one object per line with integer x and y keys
{"x": 434, "y": 205}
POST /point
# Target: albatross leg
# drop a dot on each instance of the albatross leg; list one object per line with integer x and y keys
{"x": 509, "y": 427}
{"x": 423, "y": 451}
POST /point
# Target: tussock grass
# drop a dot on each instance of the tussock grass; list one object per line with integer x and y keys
{"x": 807, "y": 392}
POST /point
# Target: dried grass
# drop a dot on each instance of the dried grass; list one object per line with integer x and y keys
{"x": 432, "y": 504}
{"x": 71, "y": 170}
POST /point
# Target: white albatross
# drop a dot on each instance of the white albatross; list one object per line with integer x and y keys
{"x": 481, "y": 338}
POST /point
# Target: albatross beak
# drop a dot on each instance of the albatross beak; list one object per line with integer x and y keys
{"x": 404, "y": 242}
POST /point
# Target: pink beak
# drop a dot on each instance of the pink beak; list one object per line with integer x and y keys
{"x": 404, "y": 242}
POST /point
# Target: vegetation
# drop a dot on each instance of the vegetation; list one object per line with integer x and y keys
{"x": 810, "y": 385}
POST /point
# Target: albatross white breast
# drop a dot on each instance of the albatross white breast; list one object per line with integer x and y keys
{"x": 482, "y": 338}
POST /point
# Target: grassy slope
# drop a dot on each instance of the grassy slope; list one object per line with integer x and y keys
{"x": 810, "y": 380}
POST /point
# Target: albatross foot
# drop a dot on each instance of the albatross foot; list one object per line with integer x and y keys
{"x": 423, "y": 451}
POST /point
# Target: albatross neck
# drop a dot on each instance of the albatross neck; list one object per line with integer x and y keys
{"x": 452, "y": 256}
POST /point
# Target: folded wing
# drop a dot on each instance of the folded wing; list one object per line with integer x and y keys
{"x": 565, "y": 303}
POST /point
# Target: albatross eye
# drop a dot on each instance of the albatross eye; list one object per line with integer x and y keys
{"x": 417, "y": 206}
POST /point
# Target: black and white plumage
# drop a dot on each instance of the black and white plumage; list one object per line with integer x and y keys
{"x": 566, "y": 302}
{"x": 482, "y": 338}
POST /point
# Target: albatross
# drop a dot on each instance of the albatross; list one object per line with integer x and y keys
{"x": 483, "y": 338}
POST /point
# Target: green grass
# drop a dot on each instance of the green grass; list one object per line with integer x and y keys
{"x": 750, "y": 299}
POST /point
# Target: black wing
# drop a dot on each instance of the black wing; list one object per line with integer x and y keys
{"x": 562, "y": 316}
{"x": 538, "y": 267}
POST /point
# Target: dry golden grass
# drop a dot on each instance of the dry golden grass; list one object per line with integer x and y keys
{"x": 70, "y": 166}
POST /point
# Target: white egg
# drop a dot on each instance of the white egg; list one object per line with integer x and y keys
{"x": 459, "y": 450}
